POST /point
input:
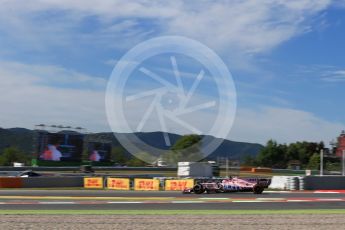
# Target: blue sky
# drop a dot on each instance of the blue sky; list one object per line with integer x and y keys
{"x": 286, "y": 58}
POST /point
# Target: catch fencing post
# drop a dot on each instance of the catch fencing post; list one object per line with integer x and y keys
{"x": 321, "y": 162}
{"x": 227, "y": 167}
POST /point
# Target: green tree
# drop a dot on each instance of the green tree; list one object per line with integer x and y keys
{"x": 187, "y": 148}
{"x": 272, "y": 155}
{"x": 249, "y": 161}
{"x": 118, "y": 155}
{"x": 141, "y": 159}
{"x": 279, "y": 155}
{"x": 302, "y": 151}
{"x": 293, "y": 151}
{"x": 333, "y": 166}
{"x": 136, "y": 162}
{"x": 186, "y": 141}
{"x": 11, "y": 155}
{"x": 314, "y": 161}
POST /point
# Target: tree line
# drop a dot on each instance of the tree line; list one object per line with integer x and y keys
{"x": 186, "y": 148}
{"x": 118, "y": 155}
{"x": 13, "y": 154}
{"x": 275, "y": 155}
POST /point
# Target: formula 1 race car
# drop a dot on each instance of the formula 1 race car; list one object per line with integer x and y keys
{"x": 235, "y": 184}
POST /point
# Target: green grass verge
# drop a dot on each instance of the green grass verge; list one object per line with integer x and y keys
{"x": 172, "y": 212}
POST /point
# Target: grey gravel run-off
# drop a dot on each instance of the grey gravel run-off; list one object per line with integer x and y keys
{"x": 173, "y": 222}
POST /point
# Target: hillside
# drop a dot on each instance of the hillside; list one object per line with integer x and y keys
{"x": 18, "y": 137}
{"x": 24, "y": 140}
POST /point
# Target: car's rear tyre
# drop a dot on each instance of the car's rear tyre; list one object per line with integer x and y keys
{"x": 258, "y": 189}
{"x": 198, "y": 189}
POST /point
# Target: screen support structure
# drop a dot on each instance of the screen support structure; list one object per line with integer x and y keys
{"x": 343, "y": 163}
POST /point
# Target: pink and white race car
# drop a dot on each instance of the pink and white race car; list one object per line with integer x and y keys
{"x": 235, "y": 184}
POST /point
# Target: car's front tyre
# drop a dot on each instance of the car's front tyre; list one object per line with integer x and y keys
{"x": 198, "y": 189}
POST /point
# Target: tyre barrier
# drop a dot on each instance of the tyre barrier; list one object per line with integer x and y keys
{"x": 301, "y": 183}
{"x": 292, "y": 183}
{"x": 279, "y": 182}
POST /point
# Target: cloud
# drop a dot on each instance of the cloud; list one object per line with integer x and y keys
{"x": 324, "y": 73}
{"x": 251, "y": 26}
{"x": 235, "y": 26}
{"x": 35, "y": 94}
{"x": 282, "y": 124}
{"x": 26, "y": 101}
{"x": 53, "y": 76}
{"x": 334, "y": 76}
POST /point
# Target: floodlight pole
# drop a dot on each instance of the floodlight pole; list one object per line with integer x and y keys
{"x": 321, "y": 162}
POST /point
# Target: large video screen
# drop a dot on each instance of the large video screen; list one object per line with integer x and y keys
{"x": 99, "y": 151}
{"x": 60, "y": 147}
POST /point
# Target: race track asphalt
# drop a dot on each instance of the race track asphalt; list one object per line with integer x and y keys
{"x": 13, "y": 199}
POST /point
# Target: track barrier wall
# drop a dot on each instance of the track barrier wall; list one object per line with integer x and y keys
{"x": 146, "y": 184}
{"x": 324, "y": 182}
{"x": 11, "y": 182}
{"x": 178, "y": 185}
{"x": 261, "y": 170}
{"x": 52, "y": 182}
{"x": 245, "y": 169}
{"x": 118, "y": 183}
{"x": 40, "y": 182}
{"x": 93, "y": 182}
{"x": 278, "y": 182}
{"x": 308, "y": 182}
